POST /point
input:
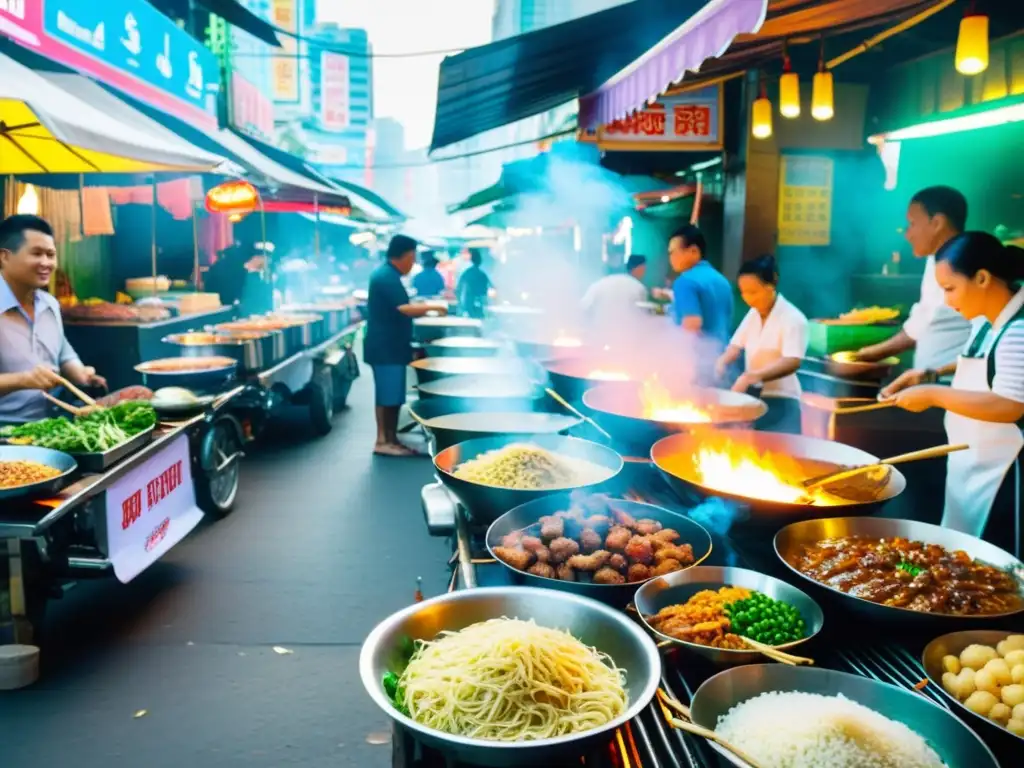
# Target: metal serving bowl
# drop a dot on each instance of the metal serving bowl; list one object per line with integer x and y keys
{"x": 432, "y": 368}
{"x": 676, "y": 588}
{"x": 485, "y": 418}
{"x": 254, "y": 350}
{"x": 464, "y": 346}
{"x": 205, "y": 379}
{"x": 954, "y": 742}
{"x": 335, "y": 314}
{"x": 954, "y": 643}
{"x": 290, "y": 334}
{"x": 477, "y": 387}
{"x": 793, "y": 538}
{"x": 428, "y": 329}
{"x": 846, "y": 366}
{"x": 485, "y": 503}
{"x": 57, "y": 460}
{"x": 618, "y": 595}
{"x": 608, "y": 630}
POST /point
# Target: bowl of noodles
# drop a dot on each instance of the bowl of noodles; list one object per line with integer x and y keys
{"x": 509, "y": 676}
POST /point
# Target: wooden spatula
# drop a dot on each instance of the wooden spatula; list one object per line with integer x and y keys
{"x": 928, "y": 453}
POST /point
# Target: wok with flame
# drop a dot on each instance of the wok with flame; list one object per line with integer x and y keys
{"x": 572, "y": 376}
{"x": 763, "y": 471}
{"x": 564, "y": 343}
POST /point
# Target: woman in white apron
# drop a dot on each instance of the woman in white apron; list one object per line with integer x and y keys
{"x": 773, "y": 341}
{"x": 985, "y": 404}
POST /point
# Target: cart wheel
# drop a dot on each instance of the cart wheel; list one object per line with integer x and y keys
{"x": 321, "y": 402}
{"x": 342, "y": 386}
{"x": 216, "y": 491}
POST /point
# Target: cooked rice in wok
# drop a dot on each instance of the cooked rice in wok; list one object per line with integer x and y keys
{"x": 529, "y": 467}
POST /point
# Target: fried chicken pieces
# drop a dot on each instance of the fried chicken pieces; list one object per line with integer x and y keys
{"x": 594, "y": 541}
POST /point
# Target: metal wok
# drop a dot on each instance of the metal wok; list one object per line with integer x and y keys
{"x": 793, "y": 538}
{"x": 548, "y": 350}
{"x": 474, "y": 388}
{"x": 611, "y": 632}
{"x": 954, "y": 742}
{"x": 464, "y": 346}
{"x": 485, "y": 418}
{"x": 58, "y": 460}
{"x": 428, "y": 329}
{"x": 431, "y": 369}
{"x": 674, "y": 457}
{"x": 618, "y": 595}
{"x": 618, "y": 408}
{"x": 571, "y": 377}
{"x": 485, "y": 503}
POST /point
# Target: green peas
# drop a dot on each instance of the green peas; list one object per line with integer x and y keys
{"x": 766, "y": 620}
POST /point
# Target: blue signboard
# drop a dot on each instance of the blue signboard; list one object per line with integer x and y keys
{"x": 135, "y": 38}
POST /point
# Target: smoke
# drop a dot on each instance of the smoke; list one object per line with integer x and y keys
{"x": 718, "y": 516}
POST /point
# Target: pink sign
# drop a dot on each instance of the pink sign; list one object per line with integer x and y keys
{"x": 251, "y": 111}
{"x": 334, "y": 92}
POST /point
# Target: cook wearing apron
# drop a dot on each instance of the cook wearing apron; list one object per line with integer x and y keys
{"x": 773, "y": 339}
{"x": 985, "y": 403}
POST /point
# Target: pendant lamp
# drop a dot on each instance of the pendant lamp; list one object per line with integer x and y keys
{"x": 789, "y": 89}
{"x": 822, "y": 96}
{"x": 761, "y": 115}
{"x": 972, "y": 43}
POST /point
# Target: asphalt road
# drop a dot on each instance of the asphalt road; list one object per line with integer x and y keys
{"x": 324, "y": 542}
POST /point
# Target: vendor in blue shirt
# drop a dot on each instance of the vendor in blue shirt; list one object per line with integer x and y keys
{"x": 702, "y": 299}
{"x": 429, "y": 282}
{"x": 387, "y": 348}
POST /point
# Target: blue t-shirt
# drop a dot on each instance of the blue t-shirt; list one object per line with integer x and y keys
{"x": 429, "y": 282}
{"x": 704, "y": 292}
{"x": 472, "y": 290}
{"x": 388, "y": 332}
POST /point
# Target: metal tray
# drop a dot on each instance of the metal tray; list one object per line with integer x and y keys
{"x": 51, "y": 458}
{"x": 101, "y": 462}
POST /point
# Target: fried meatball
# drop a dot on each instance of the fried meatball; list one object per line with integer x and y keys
{"x": 566, "y": 572}
{"x": 618, "y": 562}
{"x": 682, "y": 553}
{"x": 542, "y": 569}
{"x": 590, "y": 540}
{"x": 590, "y": 562}
{"x": 666, "y": 566}
{"x": 531, "y": 543}
{"x": 562, "y": 549}
{"x": 623, "y": 518}
{"x": 640, "y": 550}
{"x": 647, "y": 527}
{"x": 551, "y": 527}
{"x": 666, "y": 535}
{"x": 517, "y": 558}
{"x": 512, "y": 540}
{"x": 638, "y": 572}
{"x": 609, "y": 576}
{"x": 618, "y": 537}
{"x": 543, "y": 554}
{"x": 599, "y": 524}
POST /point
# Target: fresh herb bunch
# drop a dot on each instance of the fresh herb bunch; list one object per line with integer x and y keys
{"x": 766, "y": 620}
{"x": 93, "y": 432}
{"x": 392, "y": 682}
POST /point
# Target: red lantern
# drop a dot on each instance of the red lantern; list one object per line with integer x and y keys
{"x": 233, "y": 197}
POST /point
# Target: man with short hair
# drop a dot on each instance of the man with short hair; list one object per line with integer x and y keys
{"x": 428, "y": 283}
{"x": 387, "y": 348}
{"x": 935, "y": 332}
{"x": 702, "y": 299}
{"x": 473, "y": 286}
{"x": 33, "y": 350}
{"x": 619, "y": 293}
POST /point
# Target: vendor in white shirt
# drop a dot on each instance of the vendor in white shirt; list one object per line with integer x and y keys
{"x": 773, "y": 340}
{"x": 980, "y": 279}
{"x": 935, "y": 332}
{"x": 619, "y": 293}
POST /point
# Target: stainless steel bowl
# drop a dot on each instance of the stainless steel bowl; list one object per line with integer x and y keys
{"x": 954, "y": 742}
{"x": 676, "y": 588}
{"x": 58, "y": 460}
{"x": 606, "y": 629}
{"x": 954, "y": 643}
{"x": 253, "y": 351}
{"x": 791, "y": 539}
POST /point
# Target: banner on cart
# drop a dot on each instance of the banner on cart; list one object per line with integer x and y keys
{"x": 151, "y": 509}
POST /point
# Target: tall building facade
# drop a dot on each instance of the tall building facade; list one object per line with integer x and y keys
{"x": 251, "y": 77}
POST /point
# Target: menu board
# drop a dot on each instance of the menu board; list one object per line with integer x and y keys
{"x": 805, "y": 200}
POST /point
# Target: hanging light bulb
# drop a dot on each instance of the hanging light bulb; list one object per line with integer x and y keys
{"x": 822, "y": 98}
{"x": 972, "y": 43}
{"x": 789, "y": 89}
{"x": 761, "y": 115}
{"x": 29, "y": 200}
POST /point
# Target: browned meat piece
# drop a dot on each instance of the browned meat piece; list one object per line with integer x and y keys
{"x": 618, "y": 562}
{"x": 609, "y": 576}
{"x": 624, "y": 519}
{"x": 683, "y": 554}
{"x": 566, "y": 572}
{"x": 551, "y": 527}
{"x": 618, "y": 537}
{"x": 516, "y": 558}
{"x": 638, "y": 572}
{"x": 543, "y": 555}
{"x": 647, "y": 527}
{"x": 542, "y": 569}
{"x": 562, "y": 549}
{"x": 666, "y": 534}
{"x": 640, "y": 550}
{"x": 531, "y": 543}
{"x": 590, "y": 562}
{"x": 599, "y": 523}
{"x": 667, "y": 566}
{"x": 590, "y": 540}
{"x": 512, "y": 539}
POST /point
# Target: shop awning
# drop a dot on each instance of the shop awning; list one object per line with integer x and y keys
{"x": 369, "y": 201}
{"x": 623, "y": 56}
{"x": 46, "y": 129}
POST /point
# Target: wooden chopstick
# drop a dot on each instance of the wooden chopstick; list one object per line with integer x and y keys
{"x": 775, "y": 654}
{"x": 864, "y": 408}
{"x": 76, "y": 391}
{"x": 61, "y": 404}
{"x": 689, "y": 726}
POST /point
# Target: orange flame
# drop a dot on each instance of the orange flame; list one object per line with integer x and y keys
{"x": 659, "y": 405}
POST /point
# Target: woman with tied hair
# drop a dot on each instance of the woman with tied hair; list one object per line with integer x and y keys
{"x": 980, "y": 278}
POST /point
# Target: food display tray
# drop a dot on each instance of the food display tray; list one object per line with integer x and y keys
{"x": 101, "y": 462}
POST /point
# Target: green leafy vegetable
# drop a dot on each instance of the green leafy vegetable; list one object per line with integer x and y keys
{"x": 393, "y": 688}
{"x": 910, "y": 568}
{"x": 94, "y": 432}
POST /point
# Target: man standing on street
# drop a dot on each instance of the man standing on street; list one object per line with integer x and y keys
{"x": 702, "y": 300}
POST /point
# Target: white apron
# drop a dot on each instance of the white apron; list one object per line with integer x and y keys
{"x": 974, "y": 476}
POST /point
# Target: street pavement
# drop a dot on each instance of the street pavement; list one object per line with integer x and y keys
{"x": 241, "y": 647}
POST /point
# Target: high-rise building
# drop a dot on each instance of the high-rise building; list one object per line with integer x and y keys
{"x": 251, "y": 83}
{"x": 291, "y": 85}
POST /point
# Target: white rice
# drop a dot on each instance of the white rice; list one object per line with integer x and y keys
{"x": 807, "y": 730}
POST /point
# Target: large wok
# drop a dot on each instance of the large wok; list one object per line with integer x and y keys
{"x": 793, "y": 538}
{"x": 472, "y": 388}
{"x": 473, "y": 419}
{"x": 485, "y": 503}
{"x": 674, "y": 456}
{"x": 430, "y": 369}
{"x": 464, "y": 346}
{"x": 618, "y": 409}
{"x": 428, "y": 329}
{"x": 619, "y": 595}
{"x": 572, "y": 376}
{"x": 57, "y": 460}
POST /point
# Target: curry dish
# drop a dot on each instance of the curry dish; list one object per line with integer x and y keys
{"x": 910, "y": 574}
{"x": 14, "y": 474}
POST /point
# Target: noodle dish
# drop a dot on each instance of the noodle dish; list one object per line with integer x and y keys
{"x": 526, "y": 467}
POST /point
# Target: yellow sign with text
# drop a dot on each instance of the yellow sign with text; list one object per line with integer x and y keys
{"x": 286, "y": 64}
{"x": 805, "y": 200}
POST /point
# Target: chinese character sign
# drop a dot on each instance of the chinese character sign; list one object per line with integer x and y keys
{"x": 805, "y": 200}
{"x": 688, "y": 121}
{"x": 286, "y": 64}
{"x": 334, "y": 91}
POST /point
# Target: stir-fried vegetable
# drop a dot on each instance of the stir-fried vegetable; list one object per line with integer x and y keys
{"x": 94, "y": 432}
{"x": 765, "y": 620}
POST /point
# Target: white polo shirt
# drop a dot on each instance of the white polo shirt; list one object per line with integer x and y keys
{"x": 939, "y": 333}
{"x": 783, "y": 334}
{"x": 614, "y": 295}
